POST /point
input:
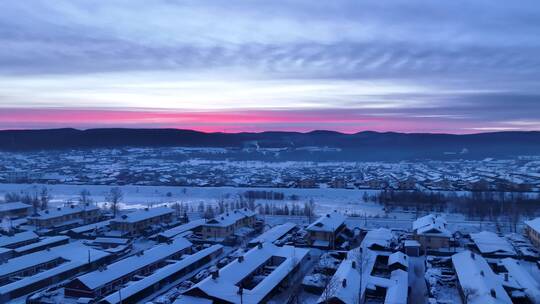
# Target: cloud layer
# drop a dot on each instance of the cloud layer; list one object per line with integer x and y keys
{"x": 454, "y": 66}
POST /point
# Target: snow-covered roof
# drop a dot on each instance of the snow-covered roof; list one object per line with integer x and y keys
{"x": 170, "y": 233}
{"x": 398, "y": 257}
{"x": 348, "y": 292}
{"x": 381, "y": 237}
{"x": 523, "y": 278}
{"x": 62, "y": 211}
{"x": 160, "y": 274}
{"x": 74, "y": 254}
{"x": 432, "y": 225}
{"x": 41, "y": 243}
{"x": 478, "y": 280}
{"x": 489, "y": 242}
{"x": 17, "y": 238}
{"x": 89, "y": 227}
{"x": 27, "y": 261}
{"x": 110, "y": 240}
{"x": 230, "y": 218}
{"x": 133, "y": 263}
{"x": 396, "y": 286}
{"x": 7, "y": 207}
{"x": 534, "y": 224}
{"x": 225, "y": 285}
{"x": 274, "y": 234}
{"x": 411, "y": 243}
{"x": 143, "y": 214}
{"x": 397, "y": 292}
{"x": 329, "y": 222}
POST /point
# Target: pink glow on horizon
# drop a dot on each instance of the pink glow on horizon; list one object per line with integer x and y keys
{"x": 347, "y": 121}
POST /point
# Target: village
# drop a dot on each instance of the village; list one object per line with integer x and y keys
{"x": 218, "y": 167}
{"x": 77, "y": 252}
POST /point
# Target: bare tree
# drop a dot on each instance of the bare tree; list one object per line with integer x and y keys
{"x": 177, "y": 209}
{"x": 85, "y": 197}
{"x": 32, "y": 200}
{"x": 44, "y": 198}
{"x": 209, "y": 212}
{"x": 309, "y": 209}
{"x": 115, "y": 196}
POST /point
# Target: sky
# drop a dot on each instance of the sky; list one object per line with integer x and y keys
{"x": 234, "y": 66}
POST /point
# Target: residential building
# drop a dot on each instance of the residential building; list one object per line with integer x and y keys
{"x": 431, "y": 232}
{"x": 490, "y": 244}
{"x": 25, "y": 274}
{"x": 254, "y": 277}
{"x": 238, "y": 222}
{"x": 323, "y": 232}
{"x": 517, "y": 277}
{"x": 65, "y": 217}
{"x": 144, "y": 286}
{"x": 108, "y": 279}
{"x": 14, "y": 210}
{"x": 42, "y": 244}
{"x": 477, "y": 282}
{"x": 379, "y": 239}
{"x": 384, "y": 276}
{"x": 169, "y": 234}
{"x": 137, "y": 222}
{"x": 273, "y": 234}
{"x": 345, "y": 286}
{"x": 18, "y": 239}
{"x": 533, "y": 231}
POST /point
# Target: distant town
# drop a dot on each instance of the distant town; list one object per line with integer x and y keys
{"x": 216, "y": 167}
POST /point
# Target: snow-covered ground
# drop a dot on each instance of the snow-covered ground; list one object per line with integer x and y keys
{"x": 142, "y": 196}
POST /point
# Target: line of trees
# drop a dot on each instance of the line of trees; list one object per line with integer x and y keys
{"x": 478, "y": 204}
{"x": 295, "y": 209}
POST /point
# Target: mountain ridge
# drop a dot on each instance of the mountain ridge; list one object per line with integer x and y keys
{"x": 363, "y": 143}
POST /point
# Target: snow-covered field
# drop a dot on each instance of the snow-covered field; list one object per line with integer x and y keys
{"x": 345, "y": 200}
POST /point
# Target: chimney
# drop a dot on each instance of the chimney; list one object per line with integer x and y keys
{"x": 493, "y": 293}
{"x": 472, "y": 255}
{"x": 240, "y": 259}
{"x": 215, "y": 274}
{"x": 72, "y": 206}
{"x": 344, "y": 283}
{"x": 506, "y": 277}
{"x": 482, "y": 273}
{"x": 353, "y": 264}
{"x": 327, "y": 215}
{"x": 260, "y": 245}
